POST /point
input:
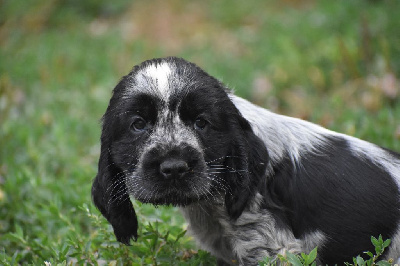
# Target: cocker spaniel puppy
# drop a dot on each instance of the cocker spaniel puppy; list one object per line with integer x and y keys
{"x": 250, "y": 183}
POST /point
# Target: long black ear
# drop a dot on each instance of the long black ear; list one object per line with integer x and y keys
{"x": 247, "y": 164}
{"x": 109, "y": 193}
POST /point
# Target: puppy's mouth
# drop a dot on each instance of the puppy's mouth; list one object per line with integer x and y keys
{"x": 176, "y": 178}
{"x": 177, "y": 191}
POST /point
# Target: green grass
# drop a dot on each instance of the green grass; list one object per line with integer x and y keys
{"x": 330, "y": 62}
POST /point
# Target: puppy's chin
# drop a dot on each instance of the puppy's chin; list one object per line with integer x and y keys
{"x": 176, "y": 192}
{"x": 176, "y": 200}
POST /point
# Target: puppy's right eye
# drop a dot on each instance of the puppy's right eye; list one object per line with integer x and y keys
{"x": 200, "y": 123}
{"x": 139, "y": 124}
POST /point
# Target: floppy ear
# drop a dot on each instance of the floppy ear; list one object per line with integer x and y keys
{"x": 247, "y": 163}
{"x": 110, "y": 196}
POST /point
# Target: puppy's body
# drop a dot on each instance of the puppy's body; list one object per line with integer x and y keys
{"x": 251, "y": 183}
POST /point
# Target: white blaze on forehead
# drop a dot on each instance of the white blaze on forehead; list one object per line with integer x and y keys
{"x": 160, "y": 73}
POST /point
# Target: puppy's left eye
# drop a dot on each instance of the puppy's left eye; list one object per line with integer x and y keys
{"x": 139, "y": 124}
{"x": 200, "y": 123}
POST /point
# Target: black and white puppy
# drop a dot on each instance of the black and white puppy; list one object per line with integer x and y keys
{"x": 250, "y": 183}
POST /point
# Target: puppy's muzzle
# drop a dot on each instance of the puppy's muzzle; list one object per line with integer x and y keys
{"x": 169, "y": 162}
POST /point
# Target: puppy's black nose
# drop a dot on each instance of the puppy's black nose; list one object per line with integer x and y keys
{"x": 173, "y": 168}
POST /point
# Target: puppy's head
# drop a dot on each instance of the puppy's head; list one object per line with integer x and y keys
{"x": 171, "y": 135}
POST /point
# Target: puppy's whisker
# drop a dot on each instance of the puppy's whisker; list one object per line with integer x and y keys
{"x": 116, "y": 198}
{"x": 222, "y": 157}
{"x": 221, "y": 184}
{"x": 214, "y": 160}
{"x": 115, "y": 184}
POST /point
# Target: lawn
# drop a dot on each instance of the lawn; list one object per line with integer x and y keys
{"x": 335, "y": 63}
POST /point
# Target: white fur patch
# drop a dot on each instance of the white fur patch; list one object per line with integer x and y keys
{"x": 250, "y": 238}
{"x": 282, "y": 133}
{"x": 154, "y": 79}
{"x": 312, "y": 240}
{"x": 160, "y": 73}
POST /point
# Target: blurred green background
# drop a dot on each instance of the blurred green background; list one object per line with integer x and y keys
{"x": 335, "y": 63}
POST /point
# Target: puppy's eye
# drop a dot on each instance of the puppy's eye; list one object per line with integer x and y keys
{"x": 139, "y": 124}
{"x": 200, "y": 123}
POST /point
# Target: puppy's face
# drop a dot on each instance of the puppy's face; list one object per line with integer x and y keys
{"x": 175, "y": 125}
{"x": 171, "y": 135}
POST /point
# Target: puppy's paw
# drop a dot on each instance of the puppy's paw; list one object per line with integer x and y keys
{"x": 125, "y": 227}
